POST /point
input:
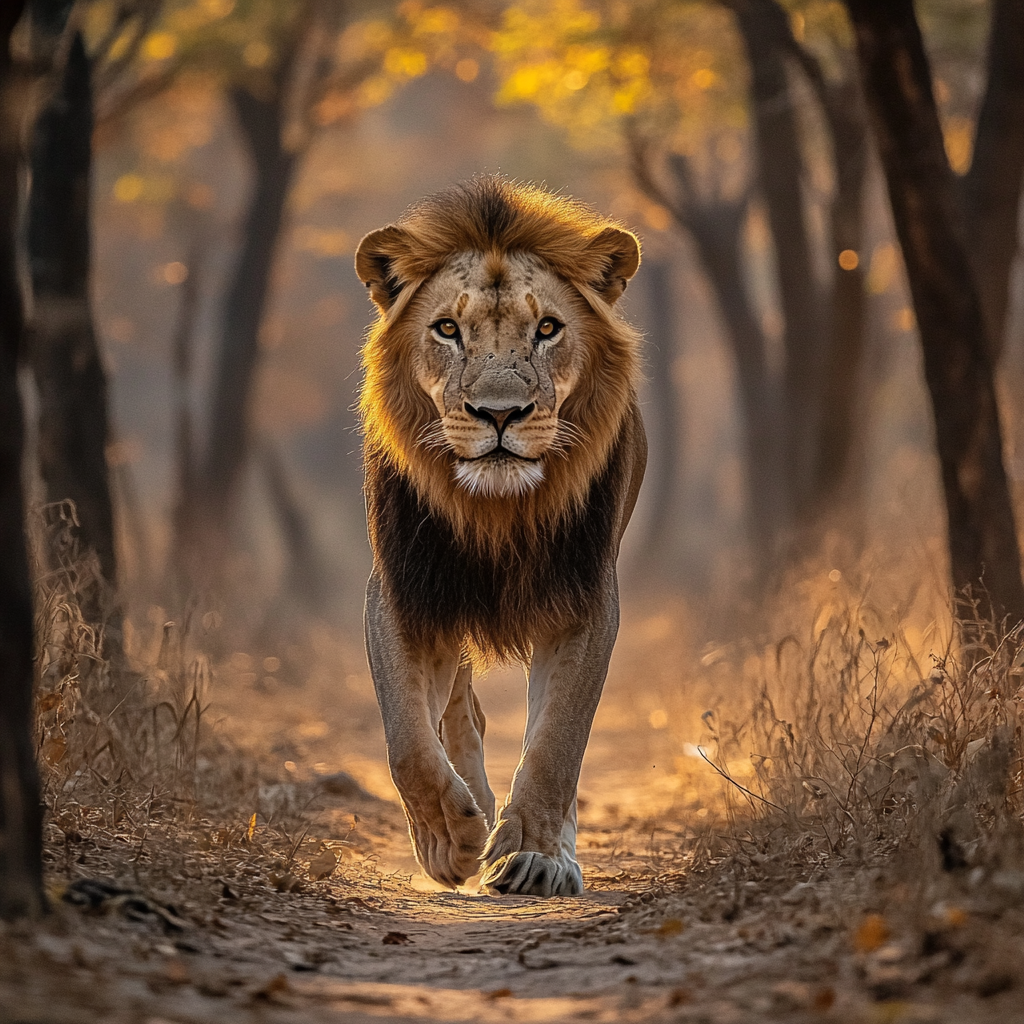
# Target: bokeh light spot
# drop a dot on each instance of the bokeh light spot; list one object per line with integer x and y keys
{"x": 175, "y": 273}
{"x": 849, "y": 260}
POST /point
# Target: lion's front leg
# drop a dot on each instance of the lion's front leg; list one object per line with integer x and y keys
{"x": 532, "y": 849}
{"x": 446, "y": 825}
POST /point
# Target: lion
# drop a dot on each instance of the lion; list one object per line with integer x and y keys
{"x": 503, "y": 455}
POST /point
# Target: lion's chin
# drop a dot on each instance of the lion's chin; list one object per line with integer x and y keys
{"x": 498, "y": 476}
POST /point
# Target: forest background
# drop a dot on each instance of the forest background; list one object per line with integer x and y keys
{"x": 202, "y": 171}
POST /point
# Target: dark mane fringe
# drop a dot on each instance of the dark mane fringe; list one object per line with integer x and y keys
{"x": 444, "y": 593}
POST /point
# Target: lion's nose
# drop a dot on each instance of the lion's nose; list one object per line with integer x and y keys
{"x": 500, "y": 417}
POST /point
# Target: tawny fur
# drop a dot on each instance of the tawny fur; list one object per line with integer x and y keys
{"x": 500, "y": 546}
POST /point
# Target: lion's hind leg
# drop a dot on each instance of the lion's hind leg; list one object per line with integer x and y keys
{"x": 462, "y": 733}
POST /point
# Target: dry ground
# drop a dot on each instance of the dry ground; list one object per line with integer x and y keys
{"x": 685, "y": 917}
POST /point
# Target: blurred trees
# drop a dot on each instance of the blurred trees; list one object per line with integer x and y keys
{"x": 21, "y": 874}
{"x": 668, "y": 79}
{"x": 287, "y": 71}
{"x": 744, "y": 119}
{"x": 960, "y": 332}
{"x": 73, "y": 424}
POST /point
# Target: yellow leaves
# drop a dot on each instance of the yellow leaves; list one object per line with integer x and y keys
{"x": 467, "y": 69}
{"x": 251, "y": 830}
{"x": 404, "y": 62}
{"x": 129, "y": 188}
{"x": 159, "y": 46}
{"x": 587, "y": 65}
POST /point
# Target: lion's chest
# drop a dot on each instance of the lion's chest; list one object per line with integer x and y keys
{"x": 534, "y": 587}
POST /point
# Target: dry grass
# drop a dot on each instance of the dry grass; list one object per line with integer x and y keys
{"x": 853, "y": 749}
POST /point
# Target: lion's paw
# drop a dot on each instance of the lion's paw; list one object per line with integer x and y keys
{"x": 527, "y": 873}
{"x": 448, "y": 833}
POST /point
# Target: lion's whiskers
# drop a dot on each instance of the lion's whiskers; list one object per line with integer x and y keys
{"x": 433, "y": 436}
{"x": 566, "y": 435}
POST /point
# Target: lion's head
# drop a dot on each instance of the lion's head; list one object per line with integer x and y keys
{"x": 498, "y": 373}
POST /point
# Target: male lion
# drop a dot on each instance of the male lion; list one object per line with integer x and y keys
{"x": 503, "y": 454}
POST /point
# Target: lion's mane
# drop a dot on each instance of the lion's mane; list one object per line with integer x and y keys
{"x": 496, "y": 569}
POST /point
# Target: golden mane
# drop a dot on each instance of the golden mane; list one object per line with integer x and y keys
{"x": 495, "y": 215}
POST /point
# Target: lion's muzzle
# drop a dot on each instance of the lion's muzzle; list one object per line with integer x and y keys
{"x": 501, "y": 419}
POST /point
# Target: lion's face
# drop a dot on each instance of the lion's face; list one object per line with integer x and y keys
{"x": 499, "y": 373}
{"x": 499, "y": 351}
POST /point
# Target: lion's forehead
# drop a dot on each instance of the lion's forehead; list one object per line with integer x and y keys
{"x": 480, "y": 290}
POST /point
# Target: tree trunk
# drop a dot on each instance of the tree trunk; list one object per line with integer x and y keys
{"x": 992, "y": 187}
{"x": 228, "y": 439}
{"x": 844, "y": 114}
{"x": 958, "y": 370}
{"x": 662, "y": 420}
{"x": 764, "y": 28}
{"x": 717, "y": 228}
{"x": 69, "y": 373}
{"x": 21, "y": 869}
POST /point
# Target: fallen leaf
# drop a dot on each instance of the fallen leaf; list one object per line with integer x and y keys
{"x": 498, "y": 993}
{"x": 395, "y": 939}
{"x": 673, "y": 926}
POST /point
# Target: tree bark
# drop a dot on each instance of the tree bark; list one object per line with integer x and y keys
{"x": 21, "y": 869}
{"x": 69, "y": 373}
{"x": 992, "y": 186}
{"x": 929, "y": 223}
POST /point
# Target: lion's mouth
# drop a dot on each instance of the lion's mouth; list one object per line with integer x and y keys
{"x": 499, "y": 454}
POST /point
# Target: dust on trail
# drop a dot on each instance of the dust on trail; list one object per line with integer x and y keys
{"x": 657, "y": 936}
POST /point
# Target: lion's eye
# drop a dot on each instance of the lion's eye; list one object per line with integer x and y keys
{"x": 447, "y": 329}
{"x": 548, "y": 328}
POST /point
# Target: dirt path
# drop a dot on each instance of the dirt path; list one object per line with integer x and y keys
{"x": 370, "y": 946}
{"x": 222, "y": 921}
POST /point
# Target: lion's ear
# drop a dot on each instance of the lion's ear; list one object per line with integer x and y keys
{"x": 376, "y": 260}
{"x": 620, "y": 253}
